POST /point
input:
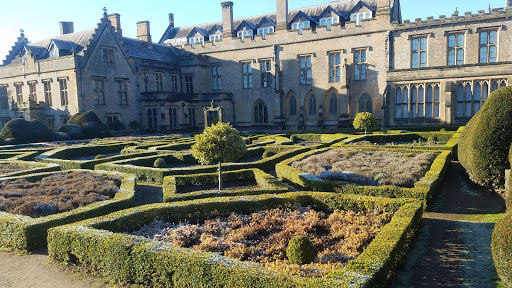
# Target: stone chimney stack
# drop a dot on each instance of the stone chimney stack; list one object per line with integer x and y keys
{"x": 227, "y": 19}
{"x": 282, "y": 15}
{"x": 171, "y": 19}
{"x": 143, "y": 32}
{"x": 115, "y": 20}
{"x": 383, "y": 7}
{"x": 66, "y": 28}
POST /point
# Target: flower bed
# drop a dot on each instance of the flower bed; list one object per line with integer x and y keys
{"x": 26, "y": 233}
{"x": 17, "y": 168}
{"x": 423, "y": 189}
{"x": 266, "y": 183}
{"x": 56, "y": 193}
{"x": 99, "y": 245}
{"x": 262, "y": 237}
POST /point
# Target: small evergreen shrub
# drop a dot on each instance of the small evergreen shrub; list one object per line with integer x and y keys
{"x": 300, "y": 250}
{"x": 502, "y": 249}
{"x": 159, "y": 163}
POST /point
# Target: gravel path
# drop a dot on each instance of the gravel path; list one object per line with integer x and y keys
{"x": 452, "y": 248}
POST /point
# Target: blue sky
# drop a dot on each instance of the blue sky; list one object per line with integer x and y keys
{"x": 42, "y": 21}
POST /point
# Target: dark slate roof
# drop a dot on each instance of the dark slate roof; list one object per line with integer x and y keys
{"x": 344, "y": 7}
{"x": 139, "y": 49}
{"x": 247, "y": 24}
{"x": 64, "y": 45}
{"x": 81, "y": 39}
{"x": 39, "y": 52}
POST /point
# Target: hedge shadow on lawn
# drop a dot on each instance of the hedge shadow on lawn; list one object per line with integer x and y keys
{"x": 267, "y": 184}
{"x": 424, "y": 189}
{"x": 97, "y": 244}
{"x": 26, "y": 234}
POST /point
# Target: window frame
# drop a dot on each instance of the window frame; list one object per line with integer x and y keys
{"x": 360, "y": 64}
{"x": 4, "y": 97}
{"x": 304, "y": 77}
{"x": 19, "y": 92}
{"x": 108, "y": 54}
{"x": 456, "y": 48}
{"x": 488, "y": 45}
{"x": 47, "y": 87}
{"x": 98, "y": 92}
{"x": 63, "y": 91}
{"x": 174, "y": 82}
{"x": 333, "y": 20}
{"x": 335, "y": 66}
{"x": 32, "y": 94}
{"x": 266, "y": 73}
{"x": 122, "y": 91}
{"x": 419, "y": 51}
{"x": 216, "y": 77}
{"x": 189, "y": 83}
{"x": 247, "y": 76}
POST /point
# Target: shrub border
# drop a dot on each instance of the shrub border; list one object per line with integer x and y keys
{"x": 95, "y": 244}
{"x": 24, "y": 233}
{"x": 34, "y": 167}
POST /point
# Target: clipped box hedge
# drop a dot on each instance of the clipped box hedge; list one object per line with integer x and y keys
{"x": 142, "y": 166}
{"x": 24, "y": 233}
{"x": 266, "y": 182}
{"x": 61, "y": 156}
{"x": 321, "y": 138}
{"x": 99, "y": 245}
{"x": 31, "y": 168}
{"x": 424, "y": 189}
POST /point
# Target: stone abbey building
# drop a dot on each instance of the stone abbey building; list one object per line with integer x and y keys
{"x": 308, "y": 68}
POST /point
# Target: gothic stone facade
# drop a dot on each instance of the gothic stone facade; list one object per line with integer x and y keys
{"x": 309, "y": 68}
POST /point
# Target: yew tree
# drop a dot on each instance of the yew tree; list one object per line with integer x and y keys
{"x": 219, "y": 143}
{"x": 365, "y": 121}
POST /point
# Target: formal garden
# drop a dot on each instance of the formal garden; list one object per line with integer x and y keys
{"x": 341, "y": 209}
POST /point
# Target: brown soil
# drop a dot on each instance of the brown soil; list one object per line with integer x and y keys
{"x": 263, "y": 237}
{"x": 449, "y": 251}
{"x": 57, "y": 193}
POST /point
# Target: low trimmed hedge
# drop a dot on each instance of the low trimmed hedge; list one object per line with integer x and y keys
{"x": 31, "y": 168}
{"x": 25, "y": 233}
{"x": 98, "y": 245}
{"x": 322, "y": 138}
{"x": 424, "y": 189}
{"x": 142, "y": 166}
{"x": 502, "y": 249}
{"x": 20, "y": 155}
{"x": 266, "y": 182}
{"x": 60, "y": 156}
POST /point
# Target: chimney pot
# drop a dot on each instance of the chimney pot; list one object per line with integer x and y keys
{"x": 115, "y": 20}
{"x": 171, "y": 19}
{"x": 144, "y": 33}
{"x": 66, "y": 28}
{"x": 227, "y": 19}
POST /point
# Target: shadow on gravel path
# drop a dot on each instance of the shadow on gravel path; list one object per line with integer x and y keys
{"x": 453, "y": 245}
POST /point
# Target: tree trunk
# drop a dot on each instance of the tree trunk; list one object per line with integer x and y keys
{"x": 220, "y": 177}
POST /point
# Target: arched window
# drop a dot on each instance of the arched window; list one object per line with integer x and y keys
{"x": 365, "y": 103}
{"x": 260, "y": 113}
{"x": 333, "y": 105}
{"x": 293, "y": 106}
{"x": 312, "y": 105}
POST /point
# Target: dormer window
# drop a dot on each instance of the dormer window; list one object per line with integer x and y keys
{"x": 214, "y": 38}
{"x": 265, "y": 31}
{"x": 195, "y": 40}
{"x": 54, "y": 53}
{"x": 360, "y": 16}
{"x": 328, "y": 21}
{"x": 300, "y": 25}
{"x": 245, "y": 34}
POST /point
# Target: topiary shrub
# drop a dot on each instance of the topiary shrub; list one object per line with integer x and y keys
{"x": 365, "y": 121}
{"x": 502, "y": 249}
{"x": 90, "y": 123}
{"x": 19, "y": 131}
{"x": 159, "y": 163}
{"x": 74, "y": 131}
{"x": 300, "y": 250}
{"x": 485, "y": 141}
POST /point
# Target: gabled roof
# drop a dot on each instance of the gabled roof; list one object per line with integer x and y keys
{"x": 302, "y": 15}
{"x": 361, "y": 4}
{"x": 330, "y": 9}
{"x": 16, "y": 48}
{"x": 214, "y": 29}
{"x": 196, "y": 30}
{"x": 36, "y": 51}
{"x": 62, "y": 45}
{"x": 247, "y": 25}
{"x": 343, "y": 7}
{"x": 266, "y": 20}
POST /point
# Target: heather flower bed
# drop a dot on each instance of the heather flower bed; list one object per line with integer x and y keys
{"x": 7, "y": 168}
{"x": 56, "y": 193}
{"x": 368, "y": 167}
{"x": 262, "y": 237}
